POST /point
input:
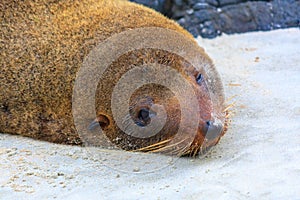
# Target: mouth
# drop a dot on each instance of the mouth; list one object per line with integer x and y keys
{"x": 209, "y": 134}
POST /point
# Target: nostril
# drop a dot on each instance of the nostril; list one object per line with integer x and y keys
{"x": 213, "y": 130}
{"x": 144, "y": 117}
{"x": 208, "y": 123}
{"x": 144, "y": 114}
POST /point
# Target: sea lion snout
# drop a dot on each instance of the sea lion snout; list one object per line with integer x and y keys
{"x": 214, "y": 129}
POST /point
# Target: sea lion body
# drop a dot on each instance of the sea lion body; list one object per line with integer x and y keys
{"x": 43, "y": 45}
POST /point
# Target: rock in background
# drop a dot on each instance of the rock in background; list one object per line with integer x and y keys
{"x": 210, "y": 18}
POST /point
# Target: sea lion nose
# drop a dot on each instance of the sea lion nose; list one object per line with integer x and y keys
{"x": 213, "y": 130}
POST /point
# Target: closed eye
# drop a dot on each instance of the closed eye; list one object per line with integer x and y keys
{"x": 199, "y": 78}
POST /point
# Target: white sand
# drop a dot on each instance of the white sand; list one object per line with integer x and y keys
{"x": 259, "y": 157}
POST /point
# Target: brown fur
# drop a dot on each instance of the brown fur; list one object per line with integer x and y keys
{"x": 43, "y": 44}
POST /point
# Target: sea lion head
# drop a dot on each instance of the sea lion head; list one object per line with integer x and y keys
{"x": 155, "y": 100}
{"x": 157, "y": 104}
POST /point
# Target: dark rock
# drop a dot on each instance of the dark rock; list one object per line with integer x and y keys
{"x": 181, "y": 21}
{"x": 158, "y": 5}
{"x": 199, "y": 6}
{"x": 207, "y": 14}
{"x": 262, "y": 15}
{"x": 193, "y": 30}
{"x": 210, "y": 18}
{"x": 178, "y": 14}
{"x": 190, "y": 11}
{"x": 237, "y": 19}
{"x": 213, "y": 2}
{"x": 230, "y": 2}
{"x": 208, "y": 30}
{"x": 286, "y": 13}
{"x": 178, "y": 2}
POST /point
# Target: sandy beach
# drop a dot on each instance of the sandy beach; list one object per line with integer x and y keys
{"x": 258, "y": 158}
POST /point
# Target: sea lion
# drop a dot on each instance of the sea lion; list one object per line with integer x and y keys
{"x": 43, "y": 46}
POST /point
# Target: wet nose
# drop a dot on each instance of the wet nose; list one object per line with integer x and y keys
{"x": 214, "y": 130}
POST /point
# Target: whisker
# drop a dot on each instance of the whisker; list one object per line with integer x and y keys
{"x": 230, "y": 98}
{"x": 194, "y": 147}
{"x": 229, "y": 106}
{"x": 169, "y": 146}
{"x": 150, "y": 147}
{"x": 180, "y": 151}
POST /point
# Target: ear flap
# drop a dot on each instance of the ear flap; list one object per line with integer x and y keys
{"x": 101, "y": 120}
